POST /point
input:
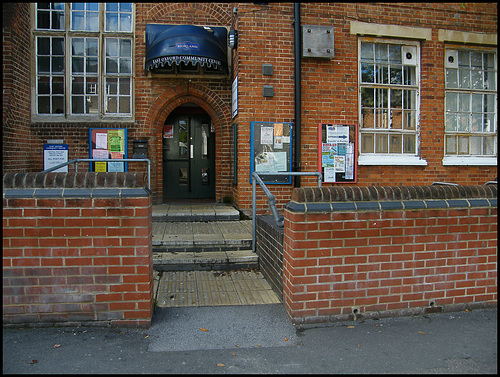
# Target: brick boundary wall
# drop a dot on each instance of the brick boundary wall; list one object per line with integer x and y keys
{"x": 77, "y": 249}
{"x": 369, "y": 252}
{"x": 269, "y": 248}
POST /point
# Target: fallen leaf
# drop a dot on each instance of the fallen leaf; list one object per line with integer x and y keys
{"x": 237, "y": 345}
{"x": 147, "y": 336}
{"x": 57, "y": 345}
{"x": 421, "y": 332}
{"x": 351, "y": 327}
{"x": 286, "y": 339}
{"x": 33, "y": 361}
{"x": 203, "y": 329}
{"x": 467, "y": 310}
{"x": 220, "y": 365}
{"x": 258, "y": 345}
{"x": 359, "y": 345}
{"x": 233, "y": 354}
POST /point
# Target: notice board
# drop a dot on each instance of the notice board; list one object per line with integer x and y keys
{"x": 53, "y": 155}
{"x": 108, "y": 143}
{"x": 271, "y": 150}
{"x": 337, "y": 146}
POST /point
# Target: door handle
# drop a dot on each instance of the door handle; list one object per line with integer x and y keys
{"x": 191, "y": 151}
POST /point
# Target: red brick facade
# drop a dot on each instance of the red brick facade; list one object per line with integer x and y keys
{"x": 81, "y": 254}
{"x": 389, "y": 252}
{"x": 329, "y": 88}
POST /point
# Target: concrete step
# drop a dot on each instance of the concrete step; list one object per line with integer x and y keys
{"x": 194, "y": 212}
{"x": 202, "y": 236}
{"x": 205, "y": 261}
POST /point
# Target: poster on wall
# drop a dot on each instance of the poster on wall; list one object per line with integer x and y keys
{"x": 53, "y": 155}
{"x": 337, "y": 152}
{"x": 108, "y": 143}
{"x": 271, "y": 150}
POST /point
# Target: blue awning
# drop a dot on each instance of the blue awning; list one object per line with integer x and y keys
{"x": 176, "y": 44}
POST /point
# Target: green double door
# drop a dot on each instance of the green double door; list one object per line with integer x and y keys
{"x": 188, "y": 158}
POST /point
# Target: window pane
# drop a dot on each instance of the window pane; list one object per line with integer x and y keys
{"x": 463, "y": 122}
{"x": 368, "y": 118}
{"x": 367, "y": 143}
{"x": 92, "y": 104}
{"x": 43, "y": 105}
{"x": 78, "y": 6}
{"x": 58, "y": 85}
{"x": 477, "y": 103}
{"x": 125, "y": 65}
{"x": 43, "y": 20}
{"x": 489, "y": 125}
{"x": 58, "y": 20}
{"x": 91, "y": 49}
{"x": 125, "y": 48}
{"x": 111, "y": 86}
{"x": 111, "y": 22}
{"x": 126, "y": 22}
{"x": 452, "y": 78}
{"x": 112, "y": 7}
{"x": 463, "y": 145}
{"x": 367, "y": 72}
{"x": 452, "y": 102}
{"x": 367, "y": 51}
{"x": 77, "y": 104}
{"x": 111, "y": 106}
{"x": 43, "y": 85}
{"x": 91, "y": 65}
{"x": 57, "y": 64}
{"x": 125, "y": 7}
{"x": 43, "y": 46}
{"x": 397, "y": 75}
{"x": 395, "y": 54}
{"x": 475, "y": 145}
{"x": 397, "y": 119}
{"x": 77, "y": 85}
{"x": 451, "y": 145}
{"x": 489, "y": 146}
{"x": 92, "y": 22}
{"x": 396, "y": 144}
{"x": 124, "y": 105}
{"x": 111, "y": 65}
{"x": 43, "y": 65}
{"x": 477, "y": 79}
{"x": 111, "y": 47}
{"x": 77, "y": 65}
{"x": 58, "y": 46}
{"x": 451, "y": 122}
{"x": 409, "y": 144}
{"x": 464, "y": 78}
{"x": 77, "y": 21}
{"x": 57, "y": 105}
{"x": 381, "y": 143}
{"x": 91, "y": 85}
{"x": 381, "y": 55}
{"x": 124, "y": 86}
{"x": 410, "y": 120}
{"x": 77, "y": 46}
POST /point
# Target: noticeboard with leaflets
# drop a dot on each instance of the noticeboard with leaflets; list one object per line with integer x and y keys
{"x": 337, "y": 145}
{"x": 108, "y": 143}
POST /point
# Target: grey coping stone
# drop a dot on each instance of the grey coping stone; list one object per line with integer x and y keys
{"x": 460, "y": 203}
{"x": 318, "y": 207}
{"x": 391, "y": 205}
{"x": 414, "y": 204}
{"x": 436, "y": 204}
{"x": 351, "y": 206}
{"x": 133, "y": 192}
{"x": 48, "y": 193}
{"x": 363, "y": 206}
{"x": 479, "y": 203}
{"x": 18, "y": 193}
{"x": 77, "y": 193}
{"x": 105, "y": 193}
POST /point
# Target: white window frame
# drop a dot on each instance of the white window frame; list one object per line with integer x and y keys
{"x": 68, "y": 34}
{"x": 391, "y": 158}
{"x": 451, "y": 63}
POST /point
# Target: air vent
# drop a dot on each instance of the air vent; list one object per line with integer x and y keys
{"x": 451, "y": 60}
{"x": 409, "y": 55}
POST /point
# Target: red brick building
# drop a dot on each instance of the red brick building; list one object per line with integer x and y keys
{"x": 417, "y": 80}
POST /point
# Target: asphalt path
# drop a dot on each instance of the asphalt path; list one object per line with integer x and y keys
{"x": 260, "y": 339}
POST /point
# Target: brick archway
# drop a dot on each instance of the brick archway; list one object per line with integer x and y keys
{"x": 167, "y": 102}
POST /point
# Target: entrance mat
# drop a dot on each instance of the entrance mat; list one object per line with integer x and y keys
{"x": 221, "y": 327}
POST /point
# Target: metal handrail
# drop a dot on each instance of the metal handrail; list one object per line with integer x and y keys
{"x": 270, "y": 197}
{"x": 77, "y": 160}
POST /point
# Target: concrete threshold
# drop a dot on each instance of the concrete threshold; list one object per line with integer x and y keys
{"x": 208, "y": 260}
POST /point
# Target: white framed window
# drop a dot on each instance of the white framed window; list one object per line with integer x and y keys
{"x": 83, "y": 60}
{"x": 470, "y": 107}
{"x": 389, "y": 98}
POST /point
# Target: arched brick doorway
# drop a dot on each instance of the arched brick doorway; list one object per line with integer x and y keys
{"x": 188, "y": 154}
